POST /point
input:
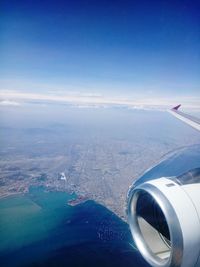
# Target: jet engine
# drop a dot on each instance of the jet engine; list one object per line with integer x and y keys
{"x": 163, "y": 209}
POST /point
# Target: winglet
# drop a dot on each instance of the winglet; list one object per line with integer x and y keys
{"x": 177, "y": 107}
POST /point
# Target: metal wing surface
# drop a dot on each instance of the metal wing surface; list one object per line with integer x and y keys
{"x": 190, "y": 120}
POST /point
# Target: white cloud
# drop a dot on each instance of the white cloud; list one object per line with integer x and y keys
{"x": 92, "y": 100}
{"x": 9, "y": 103}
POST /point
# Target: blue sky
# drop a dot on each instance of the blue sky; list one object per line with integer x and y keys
{"x": 132, "y": 49}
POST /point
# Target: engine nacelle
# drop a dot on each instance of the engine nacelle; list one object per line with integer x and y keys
{"x": 164, "y": 217}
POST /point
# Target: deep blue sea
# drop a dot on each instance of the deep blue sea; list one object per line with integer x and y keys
{"x": 41, "y": 229}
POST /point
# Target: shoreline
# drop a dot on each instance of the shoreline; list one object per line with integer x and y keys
{"x": 11, "y": 194}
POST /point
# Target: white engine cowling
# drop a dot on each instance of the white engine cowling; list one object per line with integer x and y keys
{"x": 164, "y": 218}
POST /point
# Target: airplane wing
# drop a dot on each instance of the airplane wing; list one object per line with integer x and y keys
{"x": 191, "y": 120}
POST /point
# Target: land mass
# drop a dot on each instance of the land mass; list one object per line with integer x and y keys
{"x": 96, "y": 163}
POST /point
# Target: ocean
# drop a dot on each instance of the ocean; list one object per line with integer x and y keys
{"x": 40, "y": 229}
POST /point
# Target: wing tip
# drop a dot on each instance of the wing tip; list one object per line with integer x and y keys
{"x": 176, "y": 107}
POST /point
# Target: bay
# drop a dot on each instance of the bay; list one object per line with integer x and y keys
{"x": 41, "y": 229}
